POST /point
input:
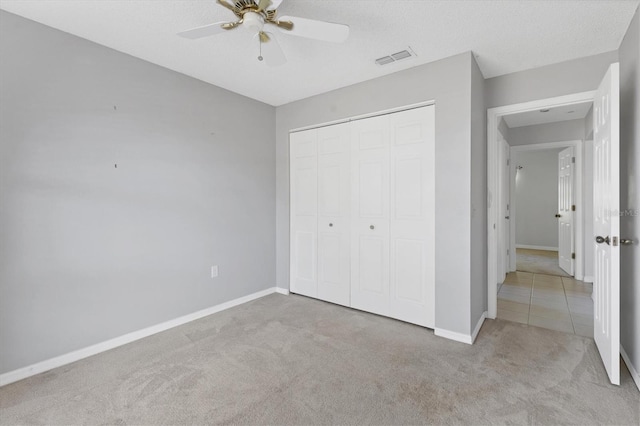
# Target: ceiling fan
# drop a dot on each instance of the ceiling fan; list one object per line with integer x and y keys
{"x": 254, "y": 15}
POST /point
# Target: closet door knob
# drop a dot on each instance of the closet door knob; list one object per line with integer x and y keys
{"x": 330, "y": 225}
{"x": 371, "y": 227}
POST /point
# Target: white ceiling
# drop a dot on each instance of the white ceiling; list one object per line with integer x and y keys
{"x": 553, "y": 115}
{"x": 506, "y": 36}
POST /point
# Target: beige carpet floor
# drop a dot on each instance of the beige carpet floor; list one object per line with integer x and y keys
{"x": 539, "y": 262}
{"x": 293, "y": 360}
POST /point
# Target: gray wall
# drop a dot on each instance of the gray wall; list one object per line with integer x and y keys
{"x": 503, "y": 129}
{"x": 543, "y": 133}
{"x": 588, "y": 124}
{"x": 630, "y": 191}
{"x": 536, "y": 200}
{"x": 478, "y": 195}
{"x": 88, "y": 251}
{"x": 448, "y": 82}
{"x": 564, "y": 78}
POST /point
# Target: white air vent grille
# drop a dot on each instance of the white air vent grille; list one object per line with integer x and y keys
{"x": 395, "y": 57}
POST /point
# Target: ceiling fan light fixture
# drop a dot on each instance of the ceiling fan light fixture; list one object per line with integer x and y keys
{"x": 253, "y": 21}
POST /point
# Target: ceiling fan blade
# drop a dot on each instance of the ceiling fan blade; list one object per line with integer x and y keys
{"x": 263, "y": 5}
{"x": 317, "y": 30}
{"x": 204, "y": 31}
{"x": 272, "y": 52}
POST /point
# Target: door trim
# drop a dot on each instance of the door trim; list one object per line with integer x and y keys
{"x": 493, "y": 117}
{"x": 363, "y": 116}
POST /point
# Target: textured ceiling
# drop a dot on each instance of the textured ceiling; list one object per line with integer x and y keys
{"x": 506, "y": 36}
{"x": 553, "y": 115}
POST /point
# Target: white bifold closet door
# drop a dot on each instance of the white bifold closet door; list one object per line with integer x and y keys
{"x": 334, "y": 220}
{"x": 412, "y": 222}
{"x": 304, "y": 213}
{"x": 363, "y": 214}
{"x": 370, "y": 215}
{"x": 393, "y": 215}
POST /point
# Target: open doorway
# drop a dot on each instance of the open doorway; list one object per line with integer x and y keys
{"x": 536, "y": 213}
{"x": 548, "y": 215}
{"x": 543, "y": 182}
{"x": 604, "y": 242}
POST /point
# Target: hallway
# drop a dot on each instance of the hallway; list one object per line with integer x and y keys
{"x": 548, "y": 301}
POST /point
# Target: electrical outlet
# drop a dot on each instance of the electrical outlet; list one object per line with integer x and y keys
{"x": 214, "y": 271}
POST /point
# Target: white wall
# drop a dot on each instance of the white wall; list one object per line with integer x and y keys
{"x": 630, "y": 193}
{"x": 536, "y": 202}
{"x": 561, "y": 131}
{"x": 88, "y": 251}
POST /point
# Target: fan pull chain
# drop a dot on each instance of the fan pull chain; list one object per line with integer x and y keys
{"x": 260, "y": 58}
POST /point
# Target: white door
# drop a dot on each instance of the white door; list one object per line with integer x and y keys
{"x": 565, "y": 210}
{"x": 412, "y": 222}
{"x": 334, "y": 220}
{"x": 304, "y": 212}
{"x": 504, "y": 261}
{"x": 370, "y": 215}
{"x": 606, "y": 204}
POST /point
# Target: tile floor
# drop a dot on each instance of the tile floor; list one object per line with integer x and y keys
{"x": 548, "y": 301}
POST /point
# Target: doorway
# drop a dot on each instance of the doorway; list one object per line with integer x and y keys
{"x": 541, "y": 187}
{"x": 604, "y": 241}
{"x": 548, "y": 186}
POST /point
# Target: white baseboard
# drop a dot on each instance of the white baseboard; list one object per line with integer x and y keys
{"x": 461, "y": 337}
{"x": 631, "y": 367}
{"x": 59, "y": 361}
{"x": 530, "y": 247}
{"x": 452, "y": 335}
{"x": 282, "y": 291}
{"x": 478, "y": 326}
{"x": 587, "y": 278}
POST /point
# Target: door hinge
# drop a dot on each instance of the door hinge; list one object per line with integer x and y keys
{"x": 507, "y": 252}
{"x": 573, "y": 208}
{"x": 508, "y": 161}
{"x": 573, "y": 159}
{"x": 573, "y": 255}
{"x": 507, "y": 207}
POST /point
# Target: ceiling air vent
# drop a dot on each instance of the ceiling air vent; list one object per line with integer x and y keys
{"x": 385, "y": 60}
{"x": 395, "y": 57}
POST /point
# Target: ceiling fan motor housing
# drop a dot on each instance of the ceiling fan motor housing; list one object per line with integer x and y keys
{"x": 253, "y": 21}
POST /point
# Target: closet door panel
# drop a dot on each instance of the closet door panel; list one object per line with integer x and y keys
{"x": 412, "y": 222}
{"x": 334, "y": 192}
{"x": 370, "y": 215}
{"x": 304, "y": 213}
